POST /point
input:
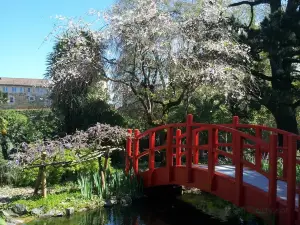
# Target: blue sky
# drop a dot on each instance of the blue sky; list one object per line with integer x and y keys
{"x": 25, "y": 23}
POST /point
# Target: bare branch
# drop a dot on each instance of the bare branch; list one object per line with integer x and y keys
{"x": 261, "y": 75}
{"x": 249, "y": 3}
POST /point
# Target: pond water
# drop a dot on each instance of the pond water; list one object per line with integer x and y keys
{"x": 187, "y": 209}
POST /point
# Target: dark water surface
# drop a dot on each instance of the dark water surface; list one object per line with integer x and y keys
{"x": 185, "y": 210}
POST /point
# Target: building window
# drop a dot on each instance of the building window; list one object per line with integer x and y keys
{"x": 11, "y": 99}
{"x": 28, "y": 90}
{"x": 21, "y": 90}
{"x": 14, "y": 89}
{"x": 31, "y": 98}
{"x": 5, "y": 89}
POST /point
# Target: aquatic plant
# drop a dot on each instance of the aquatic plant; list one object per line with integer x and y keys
{"x": 116, "y": 183}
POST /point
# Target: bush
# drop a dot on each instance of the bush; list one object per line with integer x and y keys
{"x": 30, "y": 125}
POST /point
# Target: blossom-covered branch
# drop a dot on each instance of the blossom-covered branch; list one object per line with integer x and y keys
{"x": 81, "y": 146}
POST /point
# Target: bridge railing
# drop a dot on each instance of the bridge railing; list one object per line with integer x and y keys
{"x": 184, "y": 140}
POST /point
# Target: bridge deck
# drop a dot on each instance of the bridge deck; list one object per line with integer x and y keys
{"x": 254, "y": 178}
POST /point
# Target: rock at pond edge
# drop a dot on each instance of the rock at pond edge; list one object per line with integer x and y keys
{"x": 19, "y": 209}
{"x": 70, "y": 211}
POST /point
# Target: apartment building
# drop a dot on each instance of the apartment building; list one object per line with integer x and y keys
{"x": 24, "y": 93}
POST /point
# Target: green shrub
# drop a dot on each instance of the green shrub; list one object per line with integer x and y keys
{"x": 30, "y": 125}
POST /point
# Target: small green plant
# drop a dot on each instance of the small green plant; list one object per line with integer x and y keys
{"x": 86, "y": 185}
{"x": 117, "y": 183}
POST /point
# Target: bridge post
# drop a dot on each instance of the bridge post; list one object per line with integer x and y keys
{"x": 238, "y": 158}
{"x": 285, "y": 156}
{"x": 196, "y": 150}
{"x": 189, "y": 140}
{"x": 178, "y": 147}
{"x": 136, "y": 146}
{"x": 212, "y": 144}
{"x": 128, "y": 152}
{"x": 291, "y": 179}
{"x": 151, "y": 156}
{"x": 169, "y": 153}
{"x": 273, "y": 173}
{"x": 258, "y": 134}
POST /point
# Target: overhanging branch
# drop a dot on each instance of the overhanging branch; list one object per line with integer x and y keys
{"x": 249, "y": 3}
{"x": 261, "y": 75}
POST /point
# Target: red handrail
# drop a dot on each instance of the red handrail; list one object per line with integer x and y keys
{"x": 191, "y": 146}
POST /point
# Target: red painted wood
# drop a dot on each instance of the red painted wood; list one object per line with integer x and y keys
{"x": 211, "y": 157}
{"x": 216, "y": 142}
{"x": 178, "y": 148}
{"x": 253, "y": 199}
{"x": 285, "y": 157}
{"x": 128, "y": 153}
{"x": 136, "y": 145}
{"x": 238, "y": 149}
{"x": 189, "y": 139}
{"x": 195, "y": 149}
{"x": 273, "y": 173}
{"x": 258, "y": 155}
{"x": 151, "y": 155}
{"x": 291, "y": 178}
{"x": 170, "y": 152}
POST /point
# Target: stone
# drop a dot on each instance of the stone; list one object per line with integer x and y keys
{"x": 54, "y": 213}
{"x": 110, "y": 202}
{"x": 37, "y": 211}
{"x": 14, "y": 221}
{"x": 19, "y": 209}
{"x": 82, "y": 210}
{"x": 126, "y": 201}
{"x": 4, "y": 214}
{"x": 70, "y": 211}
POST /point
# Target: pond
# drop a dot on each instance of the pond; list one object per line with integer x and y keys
{"x": 187, "y": 209}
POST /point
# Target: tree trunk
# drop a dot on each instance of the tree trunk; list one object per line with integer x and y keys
{"x": 101, "y": 173}
{"x": 4, "y": 147}
{"x": 285, "y": 117}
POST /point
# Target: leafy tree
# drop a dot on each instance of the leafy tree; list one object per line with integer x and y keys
{"x": 74, "y": 67}
{"x": 275, "y": 49}
{"x": 164, "y": 52}
{"x": 3, "y": 98}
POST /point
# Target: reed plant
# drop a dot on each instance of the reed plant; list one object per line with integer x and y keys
{"x": 117, "y": 183}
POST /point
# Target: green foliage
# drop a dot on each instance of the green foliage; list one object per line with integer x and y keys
{"x": 91, "y": 112}
{"x": 3, "y": 98}
{"x": 2, "y": 221}
{"x": 29, "y": 125}
{"x": 85, "y": 186}
{"x": 208, "y": 106}
{"x": 55, "y": 201}
{"x": 8, "y": 176}
{"x": 117, "y": 184}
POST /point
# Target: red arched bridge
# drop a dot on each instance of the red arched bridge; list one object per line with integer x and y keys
{"x": 259, "y": 176}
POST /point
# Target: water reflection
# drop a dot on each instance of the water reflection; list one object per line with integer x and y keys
{"x": 150, "y": 213}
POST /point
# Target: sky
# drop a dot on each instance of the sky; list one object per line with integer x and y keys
{"x": 24, "y": 24}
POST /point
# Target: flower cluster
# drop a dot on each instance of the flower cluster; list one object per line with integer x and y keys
{"x": 81, "y": 145}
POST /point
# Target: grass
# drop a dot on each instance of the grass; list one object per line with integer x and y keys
{"x": 57, "y": 201}
{"x": 88, "y": 193}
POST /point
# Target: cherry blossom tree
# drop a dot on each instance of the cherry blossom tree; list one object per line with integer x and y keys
{"x": 162, "y": 57}
{"x": 156, "y": 55}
